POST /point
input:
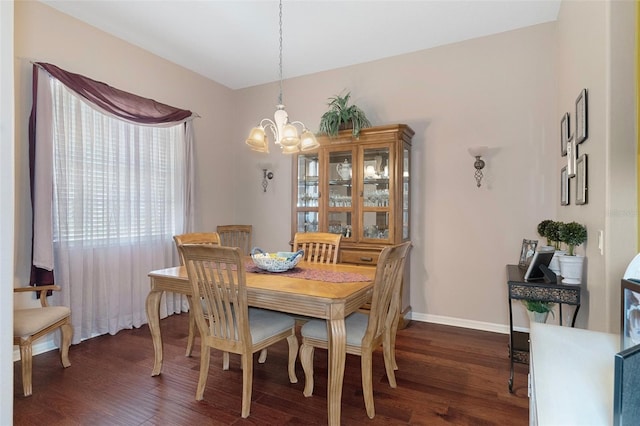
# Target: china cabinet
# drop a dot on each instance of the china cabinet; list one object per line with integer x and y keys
{"x": 357, "y": 187}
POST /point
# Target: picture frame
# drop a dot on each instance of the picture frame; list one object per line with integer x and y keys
{"x": 571, "y": 157}
{"x": 582, "y": 125}
{"x": 629, "y": 313}
{"x": 564, "y": 133}
{"x": 527, "y": 251}
{"x": 581, "y": 180}
{"x": 564, "y": 186}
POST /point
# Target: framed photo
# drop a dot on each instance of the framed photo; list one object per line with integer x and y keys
{"x": 630, "y": 313}
{"x": 571, "y": 157}
{"x": 582, "y": 126}
{"x": 527, "y": 251}
{"x": 564, "y": 187}
{"x": 564, "y": 133}
{"x": 581, "y": 179}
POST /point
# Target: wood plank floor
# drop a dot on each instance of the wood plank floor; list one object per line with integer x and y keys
{"x": 446, "y": 376}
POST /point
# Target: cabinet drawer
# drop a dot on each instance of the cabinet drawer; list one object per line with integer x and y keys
{"x": 360, "y": 257}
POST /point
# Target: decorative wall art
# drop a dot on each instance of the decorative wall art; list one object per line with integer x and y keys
{"x": 564, "y": 133}
{"x": 582, "y": 127}
{"x": 564, "y": 187}
{"x": 581, "y": 180}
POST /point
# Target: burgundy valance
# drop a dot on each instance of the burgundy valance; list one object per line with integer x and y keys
{"x": 117, "y": 102}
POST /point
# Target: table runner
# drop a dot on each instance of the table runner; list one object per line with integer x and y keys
{"x": 312, "y": 274}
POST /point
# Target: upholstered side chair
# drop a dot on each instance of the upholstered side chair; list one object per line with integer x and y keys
{"x": 29, "y": 324}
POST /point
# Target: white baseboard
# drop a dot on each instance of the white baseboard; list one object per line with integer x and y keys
{"x": 464, "y": 323}
{"x": 38, "y": 348}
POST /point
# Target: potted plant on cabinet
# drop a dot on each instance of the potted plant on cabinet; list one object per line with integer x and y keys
{"x": 571, "y": 265}
{"x": 538, "y": 311}
{"x": 343, "y": 116}
{"x": 551, "y": 231}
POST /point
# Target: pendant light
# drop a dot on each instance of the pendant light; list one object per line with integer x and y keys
{"x": 285, "y": 133}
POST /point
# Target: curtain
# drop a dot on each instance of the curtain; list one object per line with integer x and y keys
{"x": 111, "y": 186}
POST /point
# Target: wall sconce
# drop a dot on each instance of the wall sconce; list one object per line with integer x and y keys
{"x": 266, "y": 175}
{"x": 477, "y": 152}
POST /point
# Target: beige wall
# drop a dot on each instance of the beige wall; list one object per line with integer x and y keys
{"x": 506, "y": 91}
{"x": 46, "y": 35}
{"x": 597, "y": 51}
{"x": 498, "y": 91}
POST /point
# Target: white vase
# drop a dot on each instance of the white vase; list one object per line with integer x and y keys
{"x": 555, "y": 261}
{"x": 571, "y": 268}
{"x": 540, "y": 317}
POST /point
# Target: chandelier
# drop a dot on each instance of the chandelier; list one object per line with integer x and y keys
{"x": 285, "y": 133}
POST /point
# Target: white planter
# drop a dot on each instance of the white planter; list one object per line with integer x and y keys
{"x": 571, "y": 268}
{"x": 540, "y": 317}
{"x": 555, "y": 261}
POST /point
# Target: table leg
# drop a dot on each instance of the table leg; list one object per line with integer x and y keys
{"x": 153, "y": 317}
{"x": 337, "y": 339}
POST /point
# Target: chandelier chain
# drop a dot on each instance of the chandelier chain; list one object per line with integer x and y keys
{"x": 280, "y": 65}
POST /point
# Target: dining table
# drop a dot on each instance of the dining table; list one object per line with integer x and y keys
{"x": 327, "y": 291}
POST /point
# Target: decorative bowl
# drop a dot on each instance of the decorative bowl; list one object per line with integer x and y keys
{"x": 276, "y": 262}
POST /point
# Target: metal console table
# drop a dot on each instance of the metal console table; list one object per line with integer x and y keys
{"x": 520, "y": 289}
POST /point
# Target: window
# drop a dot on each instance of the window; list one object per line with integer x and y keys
{"x": 114, "y": 182}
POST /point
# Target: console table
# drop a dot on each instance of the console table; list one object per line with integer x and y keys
{"x": 520, "y": 289}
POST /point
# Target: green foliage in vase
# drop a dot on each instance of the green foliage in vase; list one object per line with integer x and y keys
{"x": 340, "y": 113}
{"x": 538, "y": 306}
{"x": 572, "y": 234}
{"x": 542, "y": 230}
{"x": 552, "y": 233}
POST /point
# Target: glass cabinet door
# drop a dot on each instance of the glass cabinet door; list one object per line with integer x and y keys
{"x": 376, "y": 196}
{"x": 340, "y": 203}
{"x": 308, "y": 193}
{"x": 406, "y": 205}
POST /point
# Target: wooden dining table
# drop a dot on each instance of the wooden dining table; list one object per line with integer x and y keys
{"x": 311, "y": 295}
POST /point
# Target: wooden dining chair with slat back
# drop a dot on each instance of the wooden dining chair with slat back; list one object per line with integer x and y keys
{"x": 194, "y": 238}
{"x": 365, "y": 333}
{"x": 218, "y": 277}
{"x": 236, "y": 236}
{"x": 319, "y": 247}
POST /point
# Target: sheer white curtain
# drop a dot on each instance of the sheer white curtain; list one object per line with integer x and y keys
{"x": 119, "y": 194}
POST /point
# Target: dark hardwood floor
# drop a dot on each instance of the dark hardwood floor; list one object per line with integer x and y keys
{"x": 446, "y": 376}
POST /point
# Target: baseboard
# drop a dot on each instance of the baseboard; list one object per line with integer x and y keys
{"x": 37, "y": 349}
{"x": 464, "y": 323}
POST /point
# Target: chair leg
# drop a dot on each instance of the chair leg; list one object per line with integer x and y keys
{"x": 192, "y": 328}
{"x": 27, "y": 362}
{"x": 389, "y": 360}
{"x": 225, "y": 360}
{"x": 205, "y": 355}
{"x": 367, "y": 385}
{"x": 293, "y": 355}
{"x": 66, "y": 331}
{"x": 263, "y": 356}
{"x": 247, "y": 383}
{"x": 306, "y": 359}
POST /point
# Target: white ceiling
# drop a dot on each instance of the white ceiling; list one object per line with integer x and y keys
{"x": 236, "y": 42}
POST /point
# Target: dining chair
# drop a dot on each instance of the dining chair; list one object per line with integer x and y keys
{"x": 365, "y": 332}
{"x": 319, "y": 247}
{"x": 217, "y": 276}
{"x": 195, "y": 238}
{"x": 236, "y": 236}
{"x": 29, "y": 324}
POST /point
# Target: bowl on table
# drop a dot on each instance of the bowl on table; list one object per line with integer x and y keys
{"x": 276, "y": 262}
